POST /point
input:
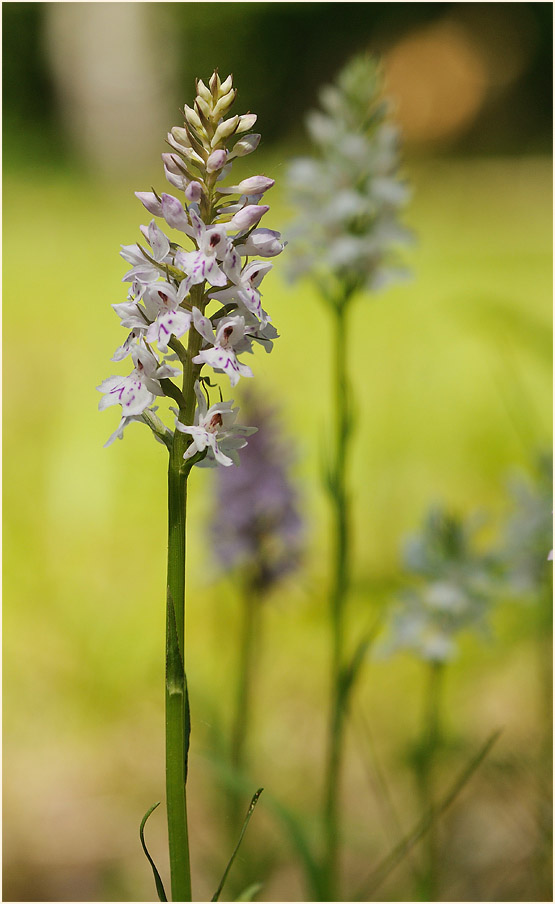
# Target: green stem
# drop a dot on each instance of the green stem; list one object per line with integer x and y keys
{"x": 177, "y": 704}
{"x": 241, "y": 726}
{"x": 544, "y": 848}
{"x": 178, "y": 726}
{"x": 430, "y": 744}
{"x": 338, "y": 597}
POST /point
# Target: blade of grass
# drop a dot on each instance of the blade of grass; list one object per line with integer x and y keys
{"x": 250, "y": 893}
{"x": 391, "y": 860}
{"x": 376, "y": 777}
{"x": 294, "y": 825}
{"x": 157, "y": 878}
{"x": 250, "y": 811}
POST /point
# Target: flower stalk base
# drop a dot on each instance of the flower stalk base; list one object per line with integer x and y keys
{"x": 177, "y": 702}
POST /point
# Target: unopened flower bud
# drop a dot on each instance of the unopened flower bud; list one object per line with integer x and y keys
{"x": 248, "y": 216}
{"x": 264, "y": 242}
{"x": 216, "y": 160}
{"x": 171, "y": 163}
{"x": 181, "y": 136}
{"x": 225, "y": 130}
{"x": 246, "y": 122}
{"x": 214, "y": 83}
{"x": 185, "y": 151}
{"x": 203, "y": 107}
{"x": 203, "y": 91}
{"x": 224, "y": 104}
{"x": 226, "y": 85}
{"x": 150, "y": 201}
{"x": 173, "y": 212}
{"x": 255, "y": 185}
{"x": 246, "y": 145}
{"x": 193, "y": 192}
{"x": 252, "y": 188}
{"x": 193, "y": 118}
{"x": 177, "y": 181}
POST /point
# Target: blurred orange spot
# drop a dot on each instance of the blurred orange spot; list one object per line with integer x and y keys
{"x": 438, "y": 79}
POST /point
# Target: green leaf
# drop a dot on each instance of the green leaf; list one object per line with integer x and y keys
{"x": 250, "y": 893}
{"x": 157, "y": 878}
{"x": 250, "y": 811}
{"x": 351, "y": 671}
{"x": 328, "y": 476}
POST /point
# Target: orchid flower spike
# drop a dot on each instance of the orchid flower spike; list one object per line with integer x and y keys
{"x": 194, "y": 281}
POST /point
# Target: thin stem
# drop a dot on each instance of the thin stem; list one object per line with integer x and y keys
{"x": 377, "y": 778}
{"x": 426, "y": 776}
{"x": 178, "y": 726}
{"x": 340, "y": 587}
{"x": 242, "y": 715}
{"x": 177, "y": 704}
{"x": 243, "y": 705}
{"x": 544, "y": 848}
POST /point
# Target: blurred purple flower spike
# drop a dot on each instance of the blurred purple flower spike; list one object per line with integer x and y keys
{"x": 257, "y": 525}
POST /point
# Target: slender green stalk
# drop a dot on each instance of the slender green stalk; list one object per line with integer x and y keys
{"x": 426, "y": 777}
{"x": 542, "y": 869}
{"x": 240, "y": 730}
{"x": 177, "y": 705}
{"x": 243, "y": 705}
{"x": 178, "y": 726}
{"x": 340, "y": 587}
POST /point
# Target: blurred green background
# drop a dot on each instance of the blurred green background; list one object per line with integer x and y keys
{"x": 452, "y": 372}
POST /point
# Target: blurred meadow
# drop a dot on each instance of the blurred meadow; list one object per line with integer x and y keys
{"x": 452, "y": 374}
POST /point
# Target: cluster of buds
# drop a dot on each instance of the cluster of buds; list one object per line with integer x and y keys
{"x": 350, "y": 193}
{"x": 172, "y": 287}
{"x": 452, "y": 587}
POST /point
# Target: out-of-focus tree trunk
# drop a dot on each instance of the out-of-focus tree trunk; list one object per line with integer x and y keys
{"x": 113, "y": 65}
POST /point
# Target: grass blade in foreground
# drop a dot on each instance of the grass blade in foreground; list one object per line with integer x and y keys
{"x": 391, "y": 860}
{"x": 250, "y": 811}
{"x": 250, "y": 893}
{"x": 157, "y": 878}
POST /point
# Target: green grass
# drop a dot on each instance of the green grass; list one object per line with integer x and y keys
{"x": 452, "y": 381}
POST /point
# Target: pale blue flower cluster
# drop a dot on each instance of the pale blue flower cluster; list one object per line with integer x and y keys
{"x": 451, "y": 587}
{"x": 350, "y": 193}
{"x": 528, "y": 536}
